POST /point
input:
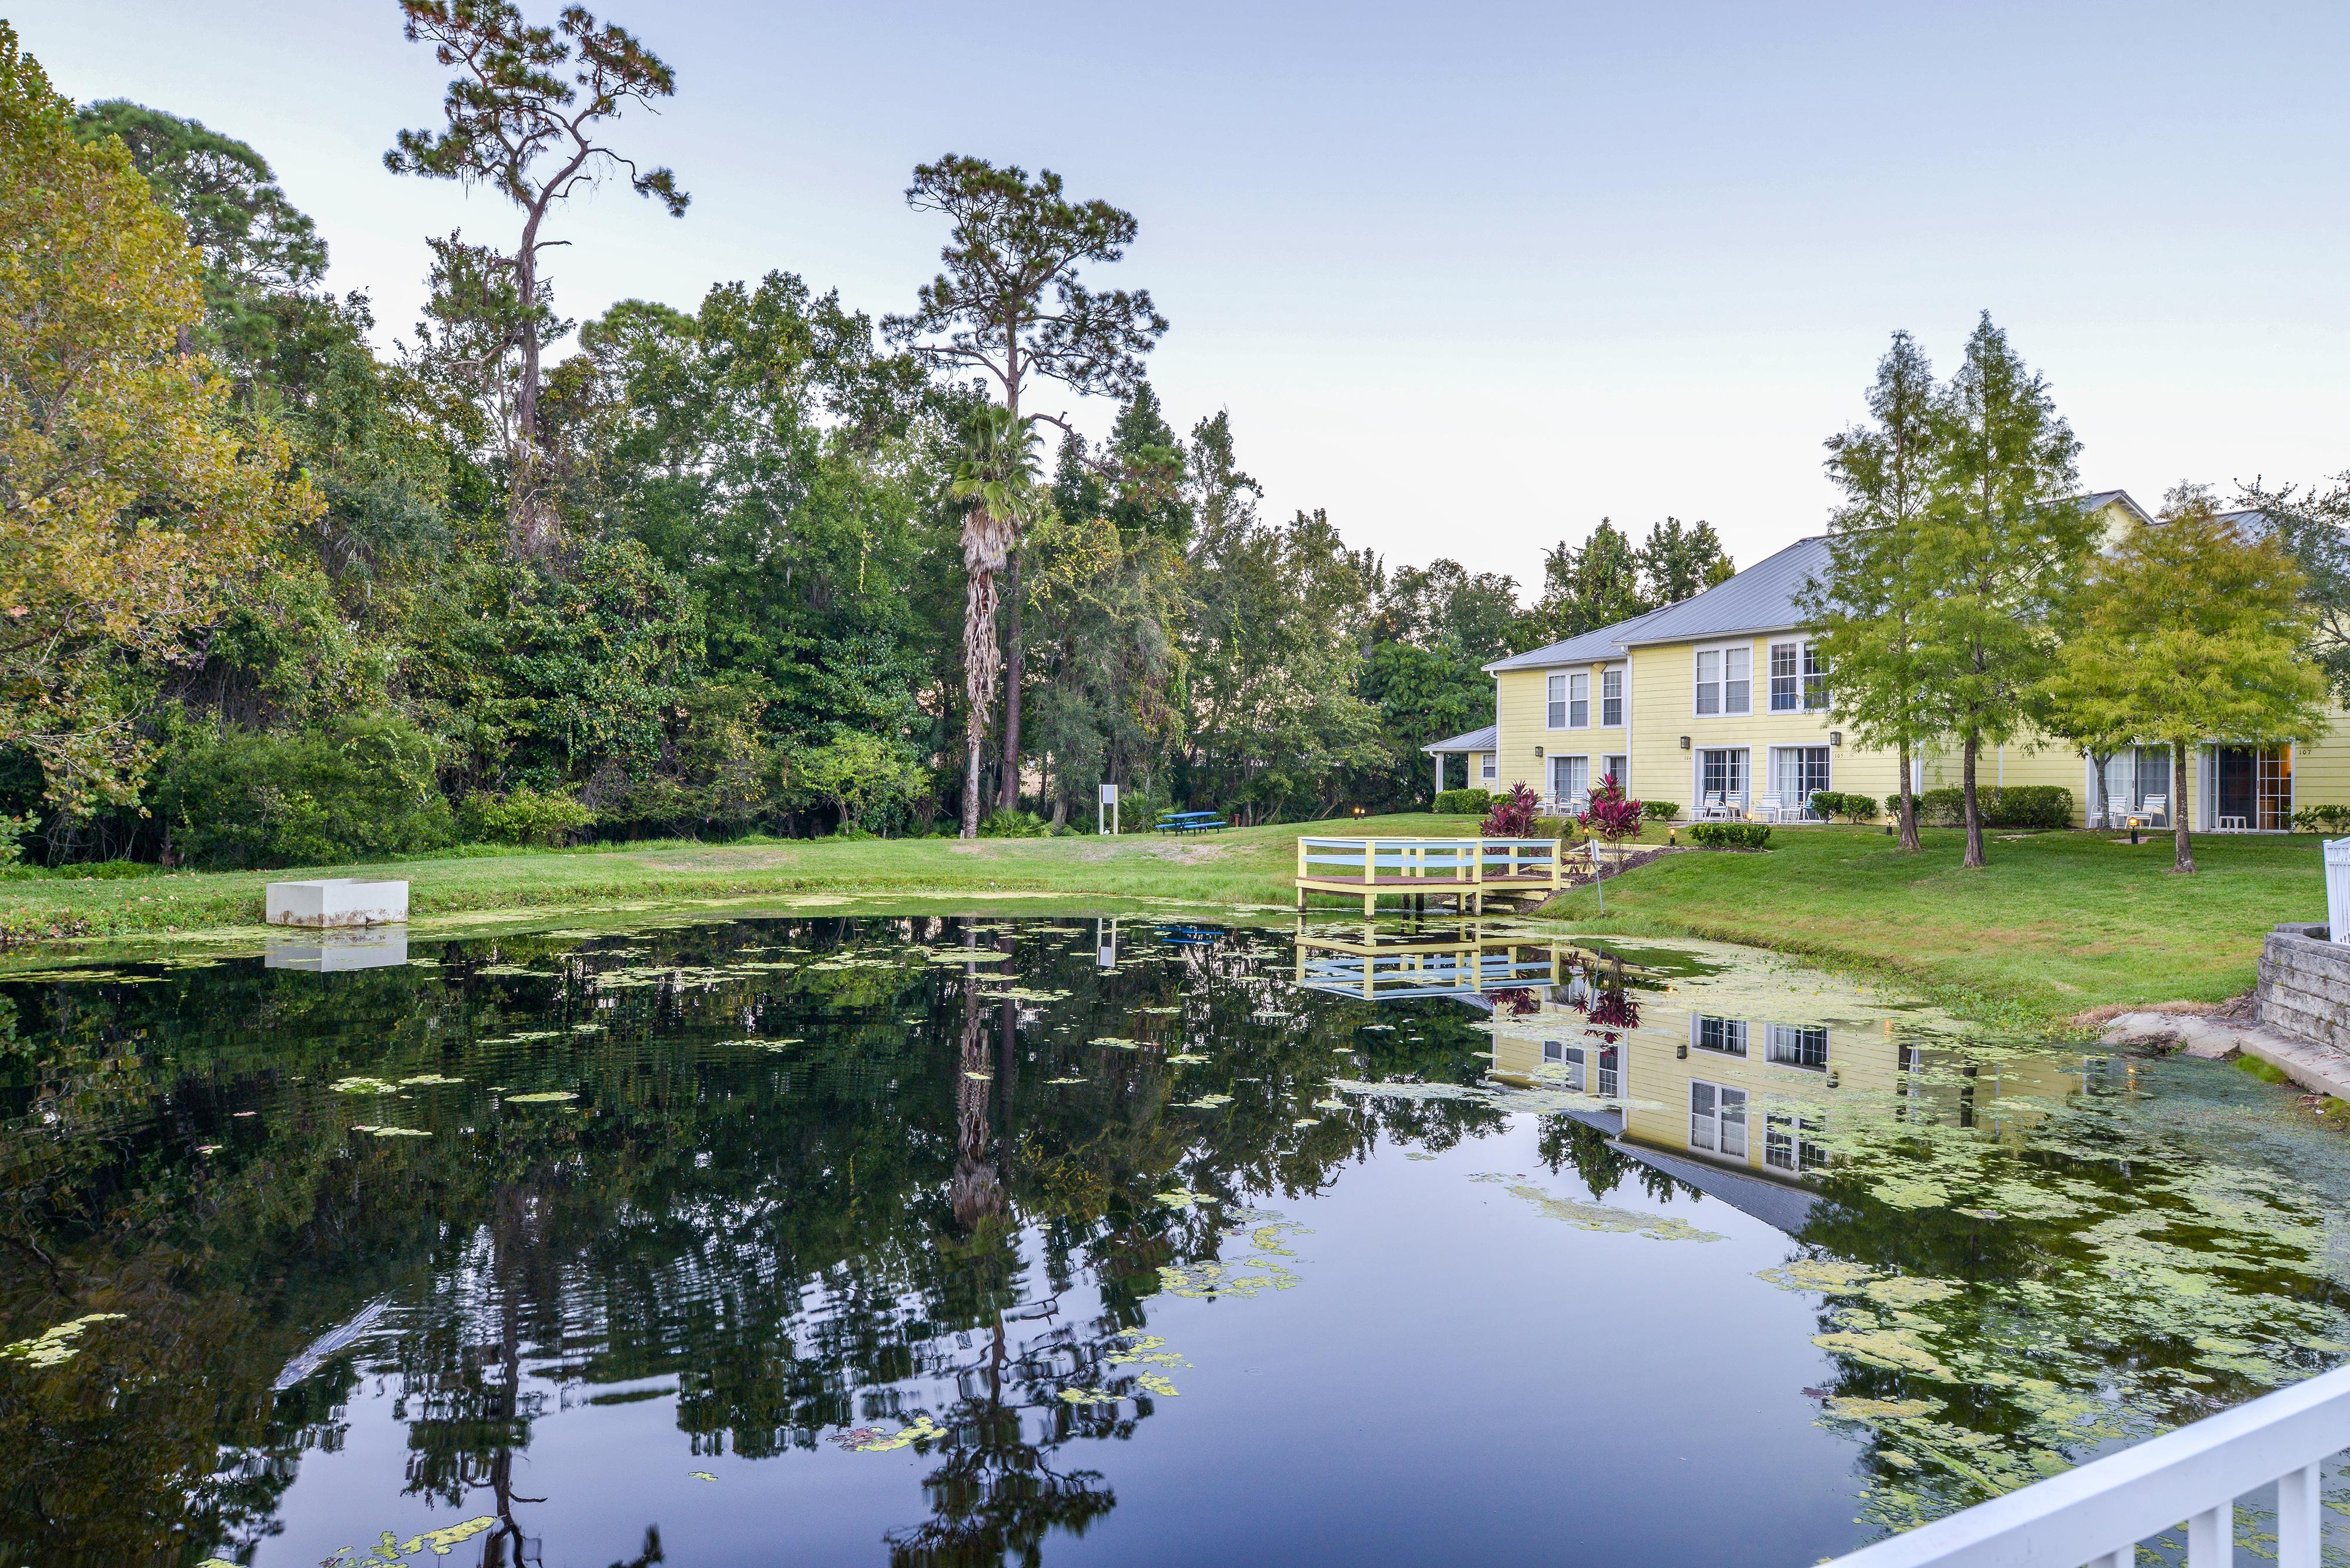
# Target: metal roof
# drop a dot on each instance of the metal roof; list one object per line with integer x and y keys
{"x": 1485, "y": 740}
{"x": 1759, "y": 599}
{"x": 1584, "y": 648}
{"x": 2099, "y": 500}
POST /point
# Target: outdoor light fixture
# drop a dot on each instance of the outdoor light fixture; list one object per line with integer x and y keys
{"x": 1538, "y": 750}
{"x": 1836, "y": 737}
{"x": 1680, "y": 1052}
{"x": 1684, "y": 742}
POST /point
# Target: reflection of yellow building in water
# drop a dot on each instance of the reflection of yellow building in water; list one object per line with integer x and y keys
{"x": 1739, "y": 1067}
{"x": 1748, "y": 1069}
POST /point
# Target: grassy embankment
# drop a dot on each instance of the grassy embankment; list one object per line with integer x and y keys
{"x": 2058, "y": 924}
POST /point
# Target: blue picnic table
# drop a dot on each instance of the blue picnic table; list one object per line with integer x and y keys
{"x": 1188, "y": 822}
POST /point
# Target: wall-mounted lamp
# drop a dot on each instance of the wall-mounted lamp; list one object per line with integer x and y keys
{"x": 1538, "y": 750}
{"x": 1680, "y": 1052}
{"x": 1684, "y": 742}
{"x": 1832, "y": 1077}
{"x": 1836, "y": 737}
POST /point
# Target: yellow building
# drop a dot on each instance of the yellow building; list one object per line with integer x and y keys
{"x": 1718, "y": 703}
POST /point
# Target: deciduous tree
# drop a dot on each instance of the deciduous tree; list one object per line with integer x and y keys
{"x": 2002, "y": 546}
{"x": 129, "y": 508}
{"x": 1866, "y": 611}
{"x": 2188, "y": 631}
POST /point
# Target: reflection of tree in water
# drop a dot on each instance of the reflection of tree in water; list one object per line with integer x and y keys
{"x": 777, "y": 1235}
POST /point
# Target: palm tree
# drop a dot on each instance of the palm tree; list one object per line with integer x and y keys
{"x": 996, "y": 481}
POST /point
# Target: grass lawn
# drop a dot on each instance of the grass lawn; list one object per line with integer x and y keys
{"x": 1240, "y": 866}
{"x": 2058, "y": 923}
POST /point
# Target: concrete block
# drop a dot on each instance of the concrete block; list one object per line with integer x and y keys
{"x": 337, "y": 901}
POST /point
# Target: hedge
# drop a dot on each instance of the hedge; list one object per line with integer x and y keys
{"x": 2017, "y": 805}
{"x": 1730, "y": 835}
{"x": 1660, "y": 810}
{"x": 1464, "y": 802}
{"x": 1851, "y": 807}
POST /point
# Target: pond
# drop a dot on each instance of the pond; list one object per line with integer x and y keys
{"x": 947, "y": 1240}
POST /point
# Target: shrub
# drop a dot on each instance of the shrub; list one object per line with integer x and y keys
{"x": 1565, "y": 829}
{"x": 2017, "y": 805}
{"x": 1464, "y": 802}
{"x": 359, "y": 787}
{"x": 1512, "y": 816}
{"x": 13, "y": 830}
{"x": 523, "y": 816}
{"x": 2309, "y": 819}
{"x": 1730, "y": 835}
{"x": 1660, "y": 810}
{"x": 1004, "y": 822}
{"x": 2028, "y": 805}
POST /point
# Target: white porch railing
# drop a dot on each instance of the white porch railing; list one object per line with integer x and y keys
{"x": 2097, "y": 1514}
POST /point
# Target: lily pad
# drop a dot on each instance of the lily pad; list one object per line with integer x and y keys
{"x": 542, "y": 1097}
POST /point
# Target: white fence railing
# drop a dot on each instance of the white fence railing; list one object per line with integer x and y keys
{"x": 2337, "y": 888}
{"x": 2097, "y": 1514}
{"x": 1440, "y": 859}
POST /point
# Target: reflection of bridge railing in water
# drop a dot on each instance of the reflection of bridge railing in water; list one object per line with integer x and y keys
{"x": 1445, "y": 961}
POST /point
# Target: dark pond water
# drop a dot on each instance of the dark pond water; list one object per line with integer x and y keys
{"x": 941, "y": 1241}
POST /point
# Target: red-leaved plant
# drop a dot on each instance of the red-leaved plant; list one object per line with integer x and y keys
{"x": 1512, "y": 816}
{"x": 1611, "y": 816}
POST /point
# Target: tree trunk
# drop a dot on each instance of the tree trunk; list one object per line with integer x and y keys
{"x": 1015, "y": 665}
{"x": 2104, "y": 803}
{"x": 979, "y": 677}
{"x": 1909, "y": 806}
{"x": 1974, "y": 808}
{"x": 2182, "y": 847}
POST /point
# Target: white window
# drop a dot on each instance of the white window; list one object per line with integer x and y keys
{"x": 1578, "y": 702}
{"x": 1725, "y": 1035}
{"x": 1787, "y": 1143}
{"x": 1724, "y": 683}
{"x": 1797, "y": 681}
{"x": 1568, "y": 1056}
{"x": 1485, "y": 767}
{"x": 1798, "y": 1046}
{"x": 1619, "y": 769}
{"x": 1796, "y": 772}
{"x": 1722, "y": 777}
{"x": 1556, "y": 718}
{"x": 1611, "y": 698}
{"x": 1610, "y": 1075}
{"x": 1718, "y": 1120}
{"x": 1786, "y": 684}
{"x": 1570, "y": 778}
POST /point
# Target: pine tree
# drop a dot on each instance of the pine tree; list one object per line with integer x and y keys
{"x": 2003, "y": 545}
{"x": 2187, "y": 631}
{"x": 1682, "y": 562}
{"x": 1866, "y": 613}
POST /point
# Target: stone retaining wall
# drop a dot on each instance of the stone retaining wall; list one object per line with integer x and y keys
{"x": 2305, "y": 986}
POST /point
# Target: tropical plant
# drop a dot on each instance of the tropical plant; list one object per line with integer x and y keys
{"x": 1610, "y": 817}
{"x": 1010, "y": 303}
{"x": 1661, "y": 810}
{"x": 995, "y": 481}
{"x": 1730, "y": 835}
{"x": 1513, "y": 814}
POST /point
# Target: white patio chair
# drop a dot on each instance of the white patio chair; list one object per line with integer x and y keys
{"x": 2155, "y": 809}
{"x": 1709, "y": 808}
{"x": 1772, "y": 807}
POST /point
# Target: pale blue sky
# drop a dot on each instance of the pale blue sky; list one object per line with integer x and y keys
{"x": 1468, "y": 277}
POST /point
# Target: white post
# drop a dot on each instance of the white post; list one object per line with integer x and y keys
{"x": 2337, "y": 888}
{"x": 1439, "y": 773}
